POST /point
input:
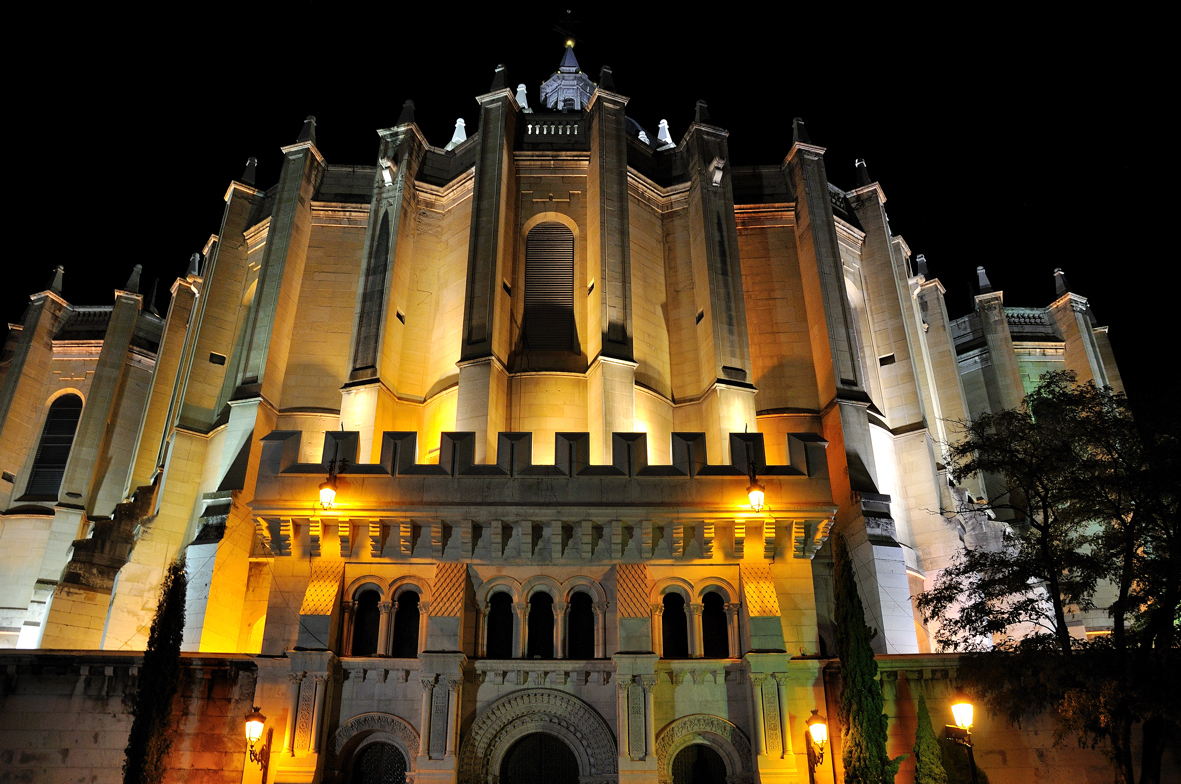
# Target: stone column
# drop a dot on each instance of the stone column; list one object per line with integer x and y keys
{"x": 349, "y": 608}
{"x": 649, "y": 684}
{"x": 600, "y": 610}
{"x": 428, "y": 695}
{"x": 482, "y": 632}
{"x": 621, "y": 718}
{"x": 522, "y": 630}
{"x": 320, "y": 680}
{"x": 424, "y": 614}
{"x": 658, "y": 629}
{"x": 453, "y": 687}
{"x": 696, "y": 634}
{"x": 294, "y": 680}
{"x": 560, "y": 630}
{"x": 781, "y": 684}
{"x": 383, "y": 628}
{"x": 732, "y": 628}
{"x": 760, "y": 731}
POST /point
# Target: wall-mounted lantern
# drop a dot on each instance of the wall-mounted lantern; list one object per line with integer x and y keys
{"x": 756, "y": 492}
{"x": 817, "y": 737}
{"x": 962, "y": 711}
{"x": 255, "y": 722}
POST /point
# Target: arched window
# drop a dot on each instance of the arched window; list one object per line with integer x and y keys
{"x": 675, "y": 627}
{"x": 366, "y": 624}
{"x": 698, "y": 764}
{"x": 714, "y": 629}
{"x": 541, "y": 626}
{"x": 549, "y": 288}
{"x": 53, "y": 451}
{"x": 500, "y": 626}
{"x": 406, "y": 626}
{"x": 379, "y": 763}
{"x": 580, "y": 627}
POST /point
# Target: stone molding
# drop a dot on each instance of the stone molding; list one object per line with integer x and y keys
{"x": 722, "y": 736}
{"x": 512, "y": 717}
{"x": 377, "y": 728}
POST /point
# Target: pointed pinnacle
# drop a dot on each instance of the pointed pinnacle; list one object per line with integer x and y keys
{"x": 55, "y": 283}
{"x": 921, "y": 265}
{"x": 250, "y": 171}
{"x": 606, "y": 80}
{"x": 151, "y": 308}
{"x": 799, "y": 134}
{"x": 194, "y": 266}
{"x": 1060, "y": 285}
{"x": 863, "y": 177}
{"x": 308, "y": 132}
{"x": 982, "y": 282}
{"x": 133, "y": 281}
{"x": 407, "y": 115}
{"x": 701, "y": 114}
{"x": 499, "y": 79}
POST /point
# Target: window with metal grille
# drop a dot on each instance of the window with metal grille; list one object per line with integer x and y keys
{"x": 53, "y": 451}
{"x": 379, "y": 763}
{"x": 549, "y": 288}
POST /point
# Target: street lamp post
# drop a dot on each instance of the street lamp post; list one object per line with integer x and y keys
{"x": 961, "y": 711}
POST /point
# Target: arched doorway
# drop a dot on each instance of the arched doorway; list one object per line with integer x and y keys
{"x": 698, "y": 764}
{"x": 539, "y": 758}
{"x": 379, "y": 763}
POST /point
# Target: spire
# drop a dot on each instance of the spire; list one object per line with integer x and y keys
{"x": 921, "y": 265}
{"x": 799, "y": 134}
{"x": 459, "y": 137}
{"x": 194, "y": 266}
{"x": 133, "y": 281}
{"x": 407, "y": 115}
{"x": 151, "y": 308}
{"x": 701, "y": 114}
{"x": 251, "y": 170}
{"x": 863, "y": 178}
{"x": 1060, "y": 285}
{"x": 499, "y": 79}
{"x": 569, "y": 63}
{"x": 982, "y": 282}
{"x": 663, "y": 135}
{"x": 308, "y": 132}
{"x": 55, "y": 283}
{"x": 522, "y": 98}
{"x": 606, "y": 80}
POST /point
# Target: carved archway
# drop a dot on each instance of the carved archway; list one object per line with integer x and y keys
{"x": 723, "y": 737}
{"x": 511, "y": 718}
{"x": 352, "y": 737}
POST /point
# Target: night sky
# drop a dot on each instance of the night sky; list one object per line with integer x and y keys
{"x": 1000, "y": 139}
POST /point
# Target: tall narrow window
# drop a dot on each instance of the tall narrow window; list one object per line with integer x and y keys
{"x": 500, "y": 626}
{"x": 580, "y": 627}
{"x": 369, "y": 319}
{"x": 406, "y": 626}
{"x": 541, "y": 626}
{"x": 676, "y": 627}
{"x": 53, "y": 451}
{"x": 549, "y": 288}
{"x": 714, "y": 629}
{"x": 366, "y": 622}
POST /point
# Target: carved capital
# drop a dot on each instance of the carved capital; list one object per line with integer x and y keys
{"x": 295, "y": 677}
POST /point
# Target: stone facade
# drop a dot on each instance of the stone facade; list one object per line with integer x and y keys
{"x": 540, "y": 368}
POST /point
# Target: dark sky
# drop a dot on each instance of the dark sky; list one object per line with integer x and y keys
{"x": 1000, "y": 138}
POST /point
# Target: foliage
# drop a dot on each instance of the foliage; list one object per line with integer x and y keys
{"x": 928, "y": 756}
{"x": 1091, "y": 507}
{"x": 860, "y": 708}
{"x": 151, "y": 733}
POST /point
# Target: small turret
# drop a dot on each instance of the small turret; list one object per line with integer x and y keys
{"x": 701, "y": 113}
{"x": 523, "y": 98}
{"x": 132, "y": 284}
{"x": 920, "y": 262}
{"x": 499, "y": 79}
{"x": 568, "y": 88}
{"x": 663, "y": 135}
{"x": 799, "y": 134}
{"x": 459, "y": 137}
{"x": 983, "y": 285}
{"x": 863, "y": 177}
{"x": 1060, "y": 285}
{"x": 407, "y": 115}
{"x": 194, "y": 270}
{"x": 308, "y": 132}
{"x": 251, "y": 170}
{"x": 55, "y": 283}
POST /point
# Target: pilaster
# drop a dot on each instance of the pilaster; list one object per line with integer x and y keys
{"x": 608, "y": 226}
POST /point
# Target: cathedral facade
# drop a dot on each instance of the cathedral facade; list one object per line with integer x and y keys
{"x": 519, "y": 457}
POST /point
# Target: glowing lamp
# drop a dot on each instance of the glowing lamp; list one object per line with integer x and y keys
{"x": 961, "y": 710}
{"x": 328, "y": 493}
{"x": 756, "y": 492}
{"x": 817, "y": 728}
{"x": 255, "y": 721}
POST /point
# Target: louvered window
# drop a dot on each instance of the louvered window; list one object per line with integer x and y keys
{"x": 549, "y": 288}
{"x": 49, "y": 466}
{"x": 369, "y": 322}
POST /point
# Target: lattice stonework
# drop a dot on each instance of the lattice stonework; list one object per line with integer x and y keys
{"x": 447, "y": 600}
{"x": 632, "y": 590}
{"x": 323, "y": 588}
{"x": 761, "y": 600}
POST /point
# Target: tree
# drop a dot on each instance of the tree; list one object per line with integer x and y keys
{"x": 1090, "y": 503}
{"x": 860, "y": 709}
{"x": 928, "y": 756}
{"x": 151, "y": 733}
